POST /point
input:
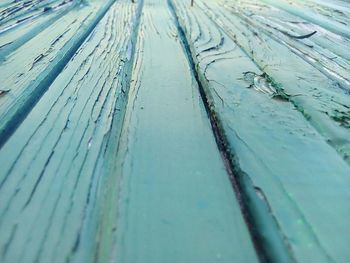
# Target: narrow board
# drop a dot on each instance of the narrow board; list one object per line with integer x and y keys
{"x": 279, "y": 158}
{"x": 176, "y": 201}
{"x": 54, "y": 165}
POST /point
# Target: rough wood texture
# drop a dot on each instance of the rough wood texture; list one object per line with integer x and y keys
{"x": 176, "y": 203}
{"x": 164, "y": 131}
{"x": 51, "y": 165}
{"x": 275, "y": 150}
{"x": 27, "y": 75}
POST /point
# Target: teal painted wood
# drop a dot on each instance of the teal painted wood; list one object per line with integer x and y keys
{"x": 325, "y": 50}
{"x": 280, "y": 159}
{"x": 16, "y": 32}
{"x": 332, "y": 46}
{"x": 328, "y": 18}
{"x": 320, "y": 99}
{"x": 27, "y": 75}
{"x": 91, "y": 171}
{"x": 53, "y": 165}
{"x": 19, "y": 12}
{"x": 176, "y": 202}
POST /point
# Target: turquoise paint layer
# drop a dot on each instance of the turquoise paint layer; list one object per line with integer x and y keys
{"x": 275, "y": 151}
{"x": 176, "y": 202}
{"x": 52, "y": 167}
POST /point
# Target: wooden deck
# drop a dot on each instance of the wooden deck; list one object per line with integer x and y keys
{"x": 154, "y": 132}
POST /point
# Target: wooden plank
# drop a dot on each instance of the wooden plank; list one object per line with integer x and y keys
{"x": 325, "y": 50}
{"x": 27, "y": 75}
{"x": 21, "y": 11}
{"x": 176, "y": 203}
{"x": 280, "y": 159}
{"x": 320, "y": 99}
{"x": 53, "y": 165}
{"x": 331, "y": 20}
{"x": 107, "y": 150}
{"x": 15, "y": 33}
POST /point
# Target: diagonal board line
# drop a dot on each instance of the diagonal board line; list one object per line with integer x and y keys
{"x": 15, "y": 115}
{"x": 268, "y": 241}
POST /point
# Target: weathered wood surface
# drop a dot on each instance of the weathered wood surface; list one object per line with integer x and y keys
{"x": 50, "y": 167}
{"x": 16, "y": 30}
{"x": 334, "y": 16}
{"x": 176, "y": 202}
{"x": 27, "y": 75}
{"x": 324, "y": 101}
{"x": 303, "y": 181}
{"x": 156, "y": 131}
